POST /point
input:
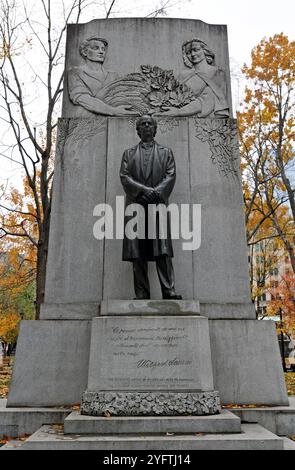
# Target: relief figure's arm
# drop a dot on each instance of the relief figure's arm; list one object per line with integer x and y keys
{"x": 202, "y": 106}
{"x": 81, "y": 95}
{"x": 95, "y": 105}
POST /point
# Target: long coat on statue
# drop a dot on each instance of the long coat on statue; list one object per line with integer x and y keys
{"x": 160, "y": 174}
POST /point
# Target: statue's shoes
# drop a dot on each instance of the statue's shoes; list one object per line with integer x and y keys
{"x": 172, "y": 297}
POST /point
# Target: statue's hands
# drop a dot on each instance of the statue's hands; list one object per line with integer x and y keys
{"x": 150, "y": 196}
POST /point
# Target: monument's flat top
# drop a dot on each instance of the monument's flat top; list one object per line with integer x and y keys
{"x": 150, "y": 307}
{"x": 151, "y": 20}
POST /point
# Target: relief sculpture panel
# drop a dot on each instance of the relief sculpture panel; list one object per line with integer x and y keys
{"x": 198, "y": 89}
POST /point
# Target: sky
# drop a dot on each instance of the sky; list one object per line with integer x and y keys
{"x": 248, "y": 22}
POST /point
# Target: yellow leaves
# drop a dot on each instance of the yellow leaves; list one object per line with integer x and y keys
{"x": 281, "y": 330}
{"x": 272, "y": 71}
{"x": 248, "y": 95}
{"x": 273, "y": 60}
{"x": 5, "y": 377}
{"x": 76, "y": 407}
{"x": 290, "y": 382}
{"x": 19, "y": 220}
{"x": 267, "y": 140}
{"x": 9, "y": 323}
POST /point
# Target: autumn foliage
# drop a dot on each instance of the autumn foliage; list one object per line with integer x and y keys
{"x": 17, "y": 261}
{"x": 283, "y": 298}
{"x": 267, "y": 136}
{"x": 267, "y": 143}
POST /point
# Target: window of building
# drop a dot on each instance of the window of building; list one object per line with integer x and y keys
{"x": 274, "y": 271}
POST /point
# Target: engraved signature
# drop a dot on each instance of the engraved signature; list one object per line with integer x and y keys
{"x": 167, "y": 363}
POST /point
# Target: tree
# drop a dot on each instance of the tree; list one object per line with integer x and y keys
{"x": 34, "y": 151}
{"x": 283, "y": 298}
{"x": 267, "y": 136}
{"x": 17, "y": 291}
{"x": 27, "y": 32}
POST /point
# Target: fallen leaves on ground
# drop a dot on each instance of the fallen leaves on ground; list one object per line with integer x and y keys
{"x": 76, "y": 407}
{"x": 5, "y": 377}
{"x": 290, "y": 382}
{"x": 57, "y": 427}
{"x": 7, "y": 439}
{"x": 235, "y": 406}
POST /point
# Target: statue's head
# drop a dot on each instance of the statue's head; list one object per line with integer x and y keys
{"x": 94, "y": 49}
{"x": 146, "y": 127}
{"x": 195, "y": 51}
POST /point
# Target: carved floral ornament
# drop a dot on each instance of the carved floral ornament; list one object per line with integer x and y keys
{"x": 199, "y": 90}
{"x": 150, "y": 403}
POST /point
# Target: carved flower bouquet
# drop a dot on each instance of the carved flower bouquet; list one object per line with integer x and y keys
{"x": 153, "y": 90}
{"x": 165, "y": 90}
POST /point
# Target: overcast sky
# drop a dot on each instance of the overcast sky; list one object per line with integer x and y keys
{"x": 248, "y": 22}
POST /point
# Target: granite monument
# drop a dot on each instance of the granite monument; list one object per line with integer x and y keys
{"x": 169, "y": 356}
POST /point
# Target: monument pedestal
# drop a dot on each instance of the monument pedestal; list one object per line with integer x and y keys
{"x": 152, "y": 364}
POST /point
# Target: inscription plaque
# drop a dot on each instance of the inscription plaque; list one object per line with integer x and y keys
{"x": 150, "y": 353}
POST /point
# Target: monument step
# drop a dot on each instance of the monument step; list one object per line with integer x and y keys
{"x": 278, "y": 419}
{"x": 16, "y": 422}
{"x": 225, "y": 422}
{"x": 252, "y": 437}
{"x": 149, "y": 307}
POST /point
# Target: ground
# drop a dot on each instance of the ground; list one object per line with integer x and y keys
{"x": 5, "y": 376}
{"x": 290, "y": 382}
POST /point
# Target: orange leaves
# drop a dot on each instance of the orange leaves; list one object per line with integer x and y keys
{"x": 18, "y": 217}
{"x": 9, "y": 323}
{"x": 267, "y": 138}
{"x": 17, "y": 261}
{"x": 283, "y": 297}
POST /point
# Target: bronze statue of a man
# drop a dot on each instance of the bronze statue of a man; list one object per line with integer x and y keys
{"x": 148, "y": 177}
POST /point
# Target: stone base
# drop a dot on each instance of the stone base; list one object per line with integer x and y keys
{"x": 246, "y": 361}
{"x": 51, "y": 363}
{"x": 252, "y": 437}
{"x": 224, "y": 422}
{"x": 16, "y": 422}
{"x": 277, "y": 419}
{"x": 150, "y": 404}
{"x": 150, "y": 307}
{"x": 152, "y": 353}
{"x": 69, "y": 311}
{"x": 52, "y": 359}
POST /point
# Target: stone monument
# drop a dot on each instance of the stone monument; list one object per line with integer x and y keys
{"x": 147, "y": 357}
